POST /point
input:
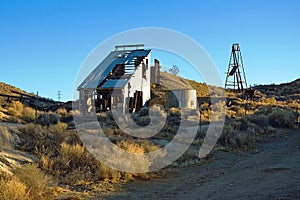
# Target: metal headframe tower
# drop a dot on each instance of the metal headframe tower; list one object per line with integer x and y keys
{"x": 236, "y": 77}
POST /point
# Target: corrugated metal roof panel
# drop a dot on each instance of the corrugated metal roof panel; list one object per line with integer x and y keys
{"x": 92, "y": 80}
{"x": 116, "y": 83}
{"x": 107, "y": 65}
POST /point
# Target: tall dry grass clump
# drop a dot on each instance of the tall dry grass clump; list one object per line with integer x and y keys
{"x": 6, "y": 137}
{"x": 11, "y": 188}
{"x": 139, "y": 148}
{"x": 269, "y": 101}
{"x": 58, "y": 128}
{"x": 69, "y": 153}
{"x": 38, "y": 140}
{"x": 28, "y": 114}
{"x": 37, "y": 183}
{"x": 27, "y": 183}
{"x": 18, "y": 110}
{"x": 15, "y": 109}
{"x": 62, "y": 112}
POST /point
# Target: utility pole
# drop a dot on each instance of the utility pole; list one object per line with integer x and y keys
{"x": 59, "y": 95}
{"x": 36, "y": 107}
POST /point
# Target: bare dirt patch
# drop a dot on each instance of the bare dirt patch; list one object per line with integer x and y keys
{"x": 269, "y": 171}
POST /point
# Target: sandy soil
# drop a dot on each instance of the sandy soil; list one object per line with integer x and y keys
{"x": 270, "y": 171}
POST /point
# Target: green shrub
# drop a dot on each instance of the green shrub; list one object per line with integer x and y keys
{"x": 260, "y": 120}
{"x": 47, "y": 118}
{"x": 282, "y": 118}
{"x": 233, "y": 138}
{"x": 265, "y": 110}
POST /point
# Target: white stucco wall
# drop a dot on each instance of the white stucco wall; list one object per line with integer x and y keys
{"x": 139, "y": 83}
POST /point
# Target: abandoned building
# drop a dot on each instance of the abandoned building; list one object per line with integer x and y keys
{"x": 121, "y": 81}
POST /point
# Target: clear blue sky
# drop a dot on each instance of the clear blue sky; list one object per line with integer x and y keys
{"x": 43, "y": 43}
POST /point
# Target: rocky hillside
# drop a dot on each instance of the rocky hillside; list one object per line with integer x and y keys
{"x": 284, "y": 91}
{"x": 9, "y": 157}
{"x": 28, "y": 99}
{"x": 172, "y": 82}
{"x": 7, "y": 89}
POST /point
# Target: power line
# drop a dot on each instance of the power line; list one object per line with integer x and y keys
{"x": 59, "y": 95}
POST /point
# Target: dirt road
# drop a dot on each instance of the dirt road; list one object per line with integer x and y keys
{"x": 270, "y": 171}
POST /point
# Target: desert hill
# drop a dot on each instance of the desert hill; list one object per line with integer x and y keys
{"x": 9, "y": 93}
{"x": 173, "y": 82}
{"x": 7, "y": 89}
{"x": 285, "y": 90}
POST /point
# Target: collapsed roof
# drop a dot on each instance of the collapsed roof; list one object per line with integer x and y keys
{"x": 102, "y": 76}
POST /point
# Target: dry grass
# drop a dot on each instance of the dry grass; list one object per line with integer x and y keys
{"x": 6, "y": 138}
{"x": 63, "y": 156}
{"x": 75, "y": 112}
{"x": 15, "y": 109}
{"x": 202, "y": 89}
{"x": 62, "y": 112}
{"x": 30, "y": 128}
{"x": 137, "y": 146}
{"x": 18, "y": 112}
{"x": 27, "y": 183}
{"x": 28, "y": 114}
{"x": 58, "y": 128}
{"x": 68, "y": 152}
{"x": 37, "y": 183}
{"x": 241, "y": 132}
{"x": 11, "y": 188}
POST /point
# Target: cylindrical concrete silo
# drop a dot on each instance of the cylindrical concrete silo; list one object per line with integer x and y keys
{"x": 181, "y": 98}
